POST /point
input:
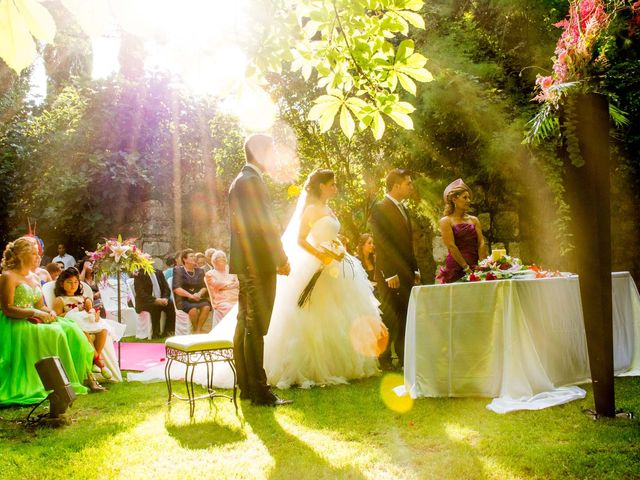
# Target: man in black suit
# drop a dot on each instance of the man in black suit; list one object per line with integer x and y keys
{"x": 153, "y": 295}
{"x": 396, "y": 267}
{"x": 256, "y": 256}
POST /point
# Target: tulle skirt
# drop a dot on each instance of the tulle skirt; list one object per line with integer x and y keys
{"x": 334, "y": 336}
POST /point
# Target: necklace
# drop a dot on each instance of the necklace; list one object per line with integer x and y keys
{"x": 190, "y": 275}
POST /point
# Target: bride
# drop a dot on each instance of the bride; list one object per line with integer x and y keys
{"x": 325, "y": 326}
{"x": 333, "y": 334}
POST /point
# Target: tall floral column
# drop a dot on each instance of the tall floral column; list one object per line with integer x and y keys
{"x": 116, "y": 256}
{"x": 574, "y": 116}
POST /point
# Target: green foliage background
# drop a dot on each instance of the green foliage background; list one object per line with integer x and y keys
{"x": 87, "y": 160}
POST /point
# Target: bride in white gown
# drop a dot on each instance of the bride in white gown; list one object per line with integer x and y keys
{"x": 337, "y": 333}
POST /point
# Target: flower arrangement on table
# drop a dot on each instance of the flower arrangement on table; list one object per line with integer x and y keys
{"x": 117, "y": 255}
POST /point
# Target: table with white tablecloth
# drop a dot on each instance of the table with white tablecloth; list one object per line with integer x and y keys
{"x": 519, "y": 341}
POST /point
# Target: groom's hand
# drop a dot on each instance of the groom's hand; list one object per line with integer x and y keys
{"x": 393, "y": 282}
{"x": 284, "y": 269}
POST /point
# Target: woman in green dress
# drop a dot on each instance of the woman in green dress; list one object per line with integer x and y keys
{"x": 24, "y": 341}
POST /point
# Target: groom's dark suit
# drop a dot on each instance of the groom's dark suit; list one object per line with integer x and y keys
{"x": 256, "y": 253}
{"x": 393, "y": 238}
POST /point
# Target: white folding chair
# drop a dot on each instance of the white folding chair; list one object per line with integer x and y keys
{"x": 109, "y": 295}
{"x": 108, "y": 352}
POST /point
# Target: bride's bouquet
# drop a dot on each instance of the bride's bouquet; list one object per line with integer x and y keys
{"x": 335, "y": 250}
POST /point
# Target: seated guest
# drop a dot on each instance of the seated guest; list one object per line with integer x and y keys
{"x": 66, "y": 259}
{"x": 365, "y": 252}
{"x": 201, "y": 262}
{"x": 85, "y": 267}
{"x": 170, "y": 262}
{"x": 29, "y": 331}
{"x": 224, "y": 286}
{"x": 54, "y": 270}
{"x": 153, "y": 295}
{"x": 190, "y": 292}
{"x": 70, "y": 303}
{"x": 461, "y": 234}
{"x": 208, "y": 253}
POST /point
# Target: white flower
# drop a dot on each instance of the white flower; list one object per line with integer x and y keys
{"x": 119, "y": 251}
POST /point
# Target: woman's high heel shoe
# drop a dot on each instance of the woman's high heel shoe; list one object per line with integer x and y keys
{"x": 93, "y": 384}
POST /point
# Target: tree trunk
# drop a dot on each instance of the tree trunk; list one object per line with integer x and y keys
{"x": 588, "y": 193}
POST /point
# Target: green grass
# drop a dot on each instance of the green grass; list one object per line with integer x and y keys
{"x": 333, "y": 432}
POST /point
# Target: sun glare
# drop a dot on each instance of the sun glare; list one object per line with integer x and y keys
{"x": 198, "y": 41}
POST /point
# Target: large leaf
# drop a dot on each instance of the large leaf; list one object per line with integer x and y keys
{"x": 346, "y": 122}
{"x": 38, "y": 19}
{"x": 17, "y": 47}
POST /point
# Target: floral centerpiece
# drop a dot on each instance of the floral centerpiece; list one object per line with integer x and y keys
{"x": 117, "y": 255}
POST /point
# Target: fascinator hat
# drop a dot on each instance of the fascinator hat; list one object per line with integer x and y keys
{"x": 455, "y": 187}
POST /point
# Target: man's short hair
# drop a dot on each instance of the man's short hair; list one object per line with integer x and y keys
{"x": 185, "y": 253}
{"x": 53, "y": 267}
{"x": 254, "y": 144}
{"x": 395, "y": 176}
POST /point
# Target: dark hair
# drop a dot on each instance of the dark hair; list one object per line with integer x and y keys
{"x": 359, "y": 248}
{"x": 395, "y": 176}
{"x": 185, "y": 253}
{"x": 68, "y": 273}
{"x": 317, "y": 178}
{"x": 170, "y": 261}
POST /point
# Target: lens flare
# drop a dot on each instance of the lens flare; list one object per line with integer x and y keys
{"x": 394, "y": 402}
{"x": 367, "y": 338}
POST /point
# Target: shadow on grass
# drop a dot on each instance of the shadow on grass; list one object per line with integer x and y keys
{"x": 292, "y": 456}
{"x": 203, "y": 435}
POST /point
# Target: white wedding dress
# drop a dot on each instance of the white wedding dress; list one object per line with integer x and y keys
{"x": 333, "y": 338}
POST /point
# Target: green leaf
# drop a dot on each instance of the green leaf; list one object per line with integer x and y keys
{"x": 346, "y": 122}
{"x": 406, "y": 82}
{"x": 17, "y": 47}
{"x": 415, "y": 5}
{"x": 416, "y": 60}
{"x": 377, "y": 126}
{"x": 413, "y": 18}
{"x": 38, "y": 19}
{"x": 405, "y": 49}
{"x": 401, "y": 119}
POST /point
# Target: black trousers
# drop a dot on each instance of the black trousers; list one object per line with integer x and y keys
{"x": 394, "y": 303}
{"x": 255, "y": 304}
{"x": 156, "y": 311}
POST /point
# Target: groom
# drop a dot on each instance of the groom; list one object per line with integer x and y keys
{"x": 256, "y": 257}
{"x": 396, "y": 269}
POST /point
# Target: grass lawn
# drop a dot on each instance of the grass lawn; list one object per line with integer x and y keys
{"x": 333, "y": 432}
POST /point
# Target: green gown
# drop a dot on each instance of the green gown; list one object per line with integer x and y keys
{"x": 23, "y": 343}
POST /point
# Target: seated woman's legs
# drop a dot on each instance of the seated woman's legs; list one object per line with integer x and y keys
{"x": 202, "y": 318}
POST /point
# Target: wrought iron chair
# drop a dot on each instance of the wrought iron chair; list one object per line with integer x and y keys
{"x": 193, "y": 350}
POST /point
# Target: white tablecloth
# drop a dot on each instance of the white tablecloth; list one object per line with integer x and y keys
{"x": 521, "y": 342}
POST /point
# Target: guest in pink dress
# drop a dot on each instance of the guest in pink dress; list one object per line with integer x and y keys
{"x": 223, "y": 286}
{"x": 461, "y": 233}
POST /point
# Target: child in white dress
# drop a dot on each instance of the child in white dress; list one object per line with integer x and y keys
{"x": 71, "y": 304}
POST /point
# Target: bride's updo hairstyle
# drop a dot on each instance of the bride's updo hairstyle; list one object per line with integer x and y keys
{"x": 14, "y": 250}
{"x": 317, "y": 178}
